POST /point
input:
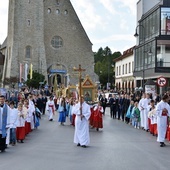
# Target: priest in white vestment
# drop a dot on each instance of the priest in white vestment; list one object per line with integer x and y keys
{"x": 145, "y": 105}
{"x": 81, "y": 135}
{"x": 162, "y": 112}
{"x": 142, "y": 111}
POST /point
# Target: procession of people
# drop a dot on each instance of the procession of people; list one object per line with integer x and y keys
{"x": 22, "y": 115}
{"x": 17, "y": 119}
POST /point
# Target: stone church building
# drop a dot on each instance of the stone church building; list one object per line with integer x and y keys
{"x": 49, "y": 35}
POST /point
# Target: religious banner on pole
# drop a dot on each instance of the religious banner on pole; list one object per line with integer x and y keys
{"x": 20, "y": 70}
{"x": 26, "y": 71}
{"x": 31, "y": 66}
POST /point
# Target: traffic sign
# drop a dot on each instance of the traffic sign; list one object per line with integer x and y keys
{"x": 161, "y": 81}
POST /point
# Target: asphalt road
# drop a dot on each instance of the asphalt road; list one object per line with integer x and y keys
{"x": 117, "y": 147}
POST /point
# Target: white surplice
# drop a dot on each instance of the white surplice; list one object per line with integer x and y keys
{"x": 31, "y": 110}
{"x": 13, "y": 117}
{"x": 162, "y": 120}
{"x": 145, "y": 105}
{"x": 152, "y": 115}
{"x": 81, "y": 134}
{"x": 140, "y": 106}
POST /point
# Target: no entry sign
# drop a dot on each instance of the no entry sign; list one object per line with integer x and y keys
{"x": 161, "y": 81}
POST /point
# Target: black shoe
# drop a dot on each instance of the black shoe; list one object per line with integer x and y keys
{"x": 162, "y": 144}
{"x": 3, "y": 150}
{"x": 83, "y": 146}
{"x": 22, "y": 141}
{"x": 97, "y": 129}
{"x": 78, "y": 144}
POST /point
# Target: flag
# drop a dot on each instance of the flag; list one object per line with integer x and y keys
{"x": 55, "y": 83}
{"x": 31, "y": 70}
{"x": 26, "y": 71}
{"x": 20, "y": 72}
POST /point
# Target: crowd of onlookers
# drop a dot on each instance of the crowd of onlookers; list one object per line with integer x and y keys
{"x": 139, "y": 111}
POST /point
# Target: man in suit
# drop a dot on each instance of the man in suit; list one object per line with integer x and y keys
{"x": 104, "y": 103}
{"x": 113, "y": 107}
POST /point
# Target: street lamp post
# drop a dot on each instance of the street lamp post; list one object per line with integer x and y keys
{"x": 143, "y": 38}
{"x": 108, "y": 74}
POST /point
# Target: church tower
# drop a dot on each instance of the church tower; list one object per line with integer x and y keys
{"x": 48, "y": 34}
{"x": 25, "y": 40}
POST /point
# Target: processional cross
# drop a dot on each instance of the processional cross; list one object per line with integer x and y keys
{"x": 80, "y": 70}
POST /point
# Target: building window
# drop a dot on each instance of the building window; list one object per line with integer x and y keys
{"x": 49, "y": 11}
{"x": 119, "y": 70}
{"x": 57, "y": 11}
{"x": 57, "y": 42}
{"x": 126, "y": 69}
{"x": 163, "y": 51}
{"x": 28, "y": 52}
{"x": 129, "y": 67}
{"x": 150, "y": 27}
{"x": 65, "y": 12}
{"x": 123, "y": 69}
{"x": 165, "y": 21}
{"x": 132, "y": 66}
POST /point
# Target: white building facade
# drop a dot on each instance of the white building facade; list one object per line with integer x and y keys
{"x": 124, "y": 66}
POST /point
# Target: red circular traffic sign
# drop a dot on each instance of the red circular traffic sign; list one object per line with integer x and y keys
{"x": 161, "y": 81}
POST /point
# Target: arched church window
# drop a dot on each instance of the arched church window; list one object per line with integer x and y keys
{"x": 57, "y": 42}
{"x": 57, "y": 11}
{"x": 49, "y": 10}
{"x": 65, "y": 12}
{"x": 28, "y": 52}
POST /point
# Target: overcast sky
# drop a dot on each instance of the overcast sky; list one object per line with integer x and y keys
{"x": 107, "y": 22}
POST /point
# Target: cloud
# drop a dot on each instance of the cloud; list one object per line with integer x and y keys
{"x": 88, "y": 14}
{"x": 3, "y": 20}
{"x": 131, "y": 5}
{"x": 109, "y": 5}
{"x": 116, "y": 37}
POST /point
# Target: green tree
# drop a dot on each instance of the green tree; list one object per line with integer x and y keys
{"x": 104, "y": 65}
{"x": 36, "y": 79}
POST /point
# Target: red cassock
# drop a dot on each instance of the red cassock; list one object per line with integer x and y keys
{"x": 27, "y": 127}
{"x": 20, "y": 133}
{"x": 155, "y": 129}
{"x": 150, "y": 126}
{"x": 91, "y": 116}
{"x": 168, "y": 133}
{"x": 97, "y": 119}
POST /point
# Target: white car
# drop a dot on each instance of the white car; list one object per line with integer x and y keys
{"x": 109, "y": 95}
